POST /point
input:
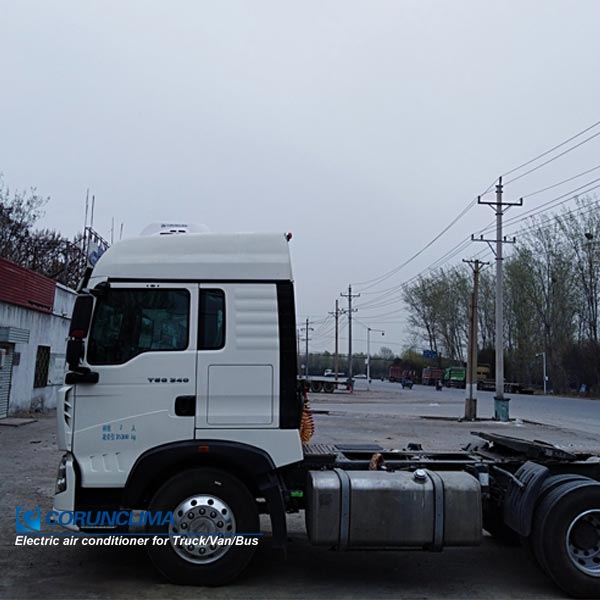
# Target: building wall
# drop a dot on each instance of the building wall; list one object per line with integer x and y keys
{"x": 45, "y": 329}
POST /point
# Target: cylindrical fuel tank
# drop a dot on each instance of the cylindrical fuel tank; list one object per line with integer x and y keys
{"x": 422, "y": 509}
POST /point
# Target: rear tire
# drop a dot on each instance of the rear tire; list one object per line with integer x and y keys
{"x": 566, "y": 537}
{"x": 316, "y": 386}
{"x": 213, "y": 491}
{"x": 328, "y": 388}
{"x": 536, "y": 550}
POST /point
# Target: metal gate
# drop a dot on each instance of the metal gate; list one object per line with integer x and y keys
{"x": 5, "y": 378}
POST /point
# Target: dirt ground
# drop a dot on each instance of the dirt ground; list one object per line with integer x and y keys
{"x": 28, "y": 465}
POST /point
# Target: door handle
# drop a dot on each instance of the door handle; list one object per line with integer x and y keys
{"x": 185, "y": 406}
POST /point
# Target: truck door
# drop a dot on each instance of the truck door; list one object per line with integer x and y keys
{"x": 238, "y": 357}
{"x": 142, "y": 344}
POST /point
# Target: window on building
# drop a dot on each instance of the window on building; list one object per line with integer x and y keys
{"x": 129, "y": 322}
{"x": 42, "y": 362}
{"x": 211, "y": 326}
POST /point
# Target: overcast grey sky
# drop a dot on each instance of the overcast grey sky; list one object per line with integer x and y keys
{"x": 362, "y": 127}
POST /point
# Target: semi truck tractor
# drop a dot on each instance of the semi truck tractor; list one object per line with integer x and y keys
{"x": 455, "y": 377}
{"x": 182, "y": 398}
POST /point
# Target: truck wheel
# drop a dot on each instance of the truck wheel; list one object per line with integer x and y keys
{"x": 204, "y": 502}
{"x": 316, "y": 386}
{"x": 535, "y": 551}
{"x": 566, "y": 537}
{"x": 328, "y": 388}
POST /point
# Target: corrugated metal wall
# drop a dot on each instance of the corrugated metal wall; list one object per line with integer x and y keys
{"x": 5, "y": 379}
{"x": 25, "y": 288}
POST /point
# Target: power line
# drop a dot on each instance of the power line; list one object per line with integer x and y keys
{"x": 369, "y": 283}
{"x": 561, "y": 182}
{"x": 532, "y": 160}
{"x": 549, "y": 204}
{"x": 553, "y": 158}
{"x": 389, "y": 294}
{"x": 393, "y": 271}
{"x": 580, "y": 211}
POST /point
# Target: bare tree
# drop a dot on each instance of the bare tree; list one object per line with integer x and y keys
{"x": 581, "y": 229}
{"x": 43, "y": 251}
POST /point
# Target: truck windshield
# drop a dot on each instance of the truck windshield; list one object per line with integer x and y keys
{"x": 129, "y": 322}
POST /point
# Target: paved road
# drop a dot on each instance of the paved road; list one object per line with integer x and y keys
{"x": 574, "y": 413}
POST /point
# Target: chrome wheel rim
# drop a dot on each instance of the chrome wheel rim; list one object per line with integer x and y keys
{"x": 583, "y": 542}
{"x": 202, "y": 529}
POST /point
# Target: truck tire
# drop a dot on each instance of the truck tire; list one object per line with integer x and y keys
{"x": 533, "y": 550}
{"x": 328, "y": 388}
{"x": 316, "y": 386}
{"x": 204, "y": 501}
{"x": 566, "y": 537}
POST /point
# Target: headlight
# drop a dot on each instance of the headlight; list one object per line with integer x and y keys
{"x": 61, "y": 478}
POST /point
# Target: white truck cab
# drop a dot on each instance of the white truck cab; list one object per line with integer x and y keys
{"x": 178, "y": 341}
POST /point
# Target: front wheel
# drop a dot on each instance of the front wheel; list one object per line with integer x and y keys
{"x": 209, "y": 537}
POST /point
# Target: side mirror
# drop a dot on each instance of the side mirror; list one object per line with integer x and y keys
{"x": 100, "y": 290}
{"x": 80, "y": 324}
{"x": 82, "y": 315}
{"x": 75, "y": 351}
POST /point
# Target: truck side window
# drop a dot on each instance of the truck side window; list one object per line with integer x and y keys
{"x": 211, "y": 325}
{"x": 128, "y": 322}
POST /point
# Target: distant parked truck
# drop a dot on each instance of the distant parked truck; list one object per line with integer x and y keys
{"x": 483, "y": 372}
{"x": 484, "y": 378}
{"x": 455, "y": 377}
{"x": 399, "y": 373}
{"x": 327, "y": 383}
{"x": 487, "y": 383}
{"x": 431, "y": 375}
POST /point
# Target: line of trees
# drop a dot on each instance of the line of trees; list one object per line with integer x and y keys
{"x": 551, "y": 298}
{"x": 44, "y": 251}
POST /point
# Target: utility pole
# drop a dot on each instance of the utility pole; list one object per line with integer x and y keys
{"x": 336, "y": 316}
{"x": 349, "y": 311}
{"x": 501, "y": 411}
{"x": 306, "y": 329}
{"x": 298, "y": 347}
{"x": 471, "y": 382}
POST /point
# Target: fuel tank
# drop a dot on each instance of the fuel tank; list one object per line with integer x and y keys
{"x": 420, "y": 509}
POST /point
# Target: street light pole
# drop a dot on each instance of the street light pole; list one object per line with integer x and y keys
{"x": 543, "y": 355}
{"x": 368, "y": 356}
{"x": 369, "y": 329}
